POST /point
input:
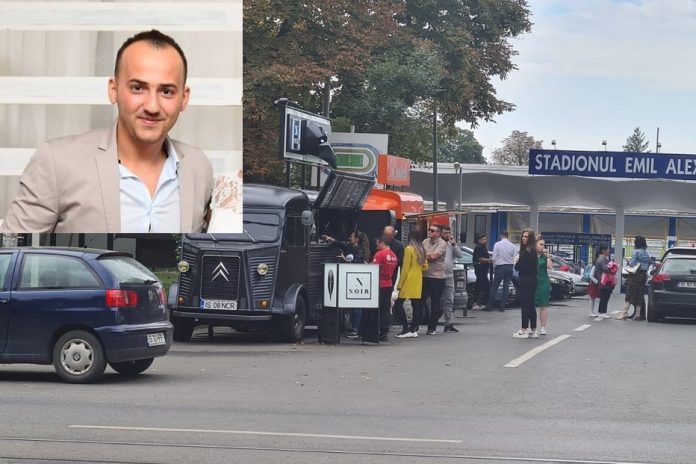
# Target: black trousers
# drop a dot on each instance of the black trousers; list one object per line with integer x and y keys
{"x": 482, "y": 288}
{"x": 527, "y": 291}
{"x": 400, "y": 314}
{"x": 385, "y": 309}
{"x": 604, "y": 295}
{"x": 433, "y": 288}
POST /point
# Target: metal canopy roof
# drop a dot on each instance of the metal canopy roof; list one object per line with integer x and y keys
{"x": 486, "y": 184}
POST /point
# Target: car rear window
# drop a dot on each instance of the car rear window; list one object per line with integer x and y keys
{"x": 680, "y": 265}
{"x": 128, "y": 270}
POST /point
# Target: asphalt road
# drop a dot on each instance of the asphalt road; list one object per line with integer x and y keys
{"x": 614, "y": 392}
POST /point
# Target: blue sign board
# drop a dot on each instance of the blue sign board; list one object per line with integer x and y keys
{"x": 570, "y": 238}
{"x": 612, "y": 164}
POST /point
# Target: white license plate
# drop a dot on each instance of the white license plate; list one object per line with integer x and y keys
{"x": 155, "y": 339}
{"x": 225, "y": 305}
{"x": 686, "y": 284}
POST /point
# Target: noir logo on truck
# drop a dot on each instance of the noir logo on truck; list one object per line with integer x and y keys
{"x": 358, "y": 285}
{"x": 220, "y": 271}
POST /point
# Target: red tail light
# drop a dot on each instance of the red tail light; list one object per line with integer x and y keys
{"x": 659, "y": 278}
{"x": 163, "y": 296}
{"x": 121, "y": 299}
{"x": 564, "y": 268}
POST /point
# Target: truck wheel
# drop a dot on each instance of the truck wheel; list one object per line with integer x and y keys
{"x": 291, "y": 328}
{"x": 78, "y": 357}
{"x": 132, "y": 367}
{"x": 183, "y": 329}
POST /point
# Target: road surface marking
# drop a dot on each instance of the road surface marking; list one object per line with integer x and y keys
{"x": 251, "y": 432}
{"x": 531, "y": 353}
{"x": 446, "y": 457}
{"x": 582, "y": 327}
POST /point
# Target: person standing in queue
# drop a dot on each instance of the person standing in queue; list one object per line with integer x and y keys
{"x": 635, "y": 283}
{"x": 543, "y": 291}
{"x": 355, "y": 250}
{"x": 410, "y": 285}
{"x": 387, "y": 267}
{"x": 601, "y": 268}
{"x": 389, "y": 234}
{"x": 453, "y": 251}
{"x": 526, "y": 266}
{"x": 503, "y": 262}
{"x": 434, "y": 276}
{"x": 482, "y": 264}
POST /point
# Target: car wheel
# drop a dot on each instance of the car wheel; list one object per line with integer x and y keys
{"x": 78, "y": 357}
{"x": 291, "y": 328}
{"x": 132, "y": 367}
{"x": 183, "y": 329}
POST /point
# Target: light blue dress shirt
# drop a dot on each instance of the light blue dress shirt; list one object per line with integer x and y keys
{"x": 141, "y": 213}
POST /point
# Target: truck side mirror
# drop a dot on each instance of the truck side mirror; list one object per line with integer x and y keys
{"x": 307, "y": 218}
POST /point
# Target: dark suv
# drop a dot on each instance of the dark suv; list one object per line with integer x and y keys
{"x": 80, "y": 309}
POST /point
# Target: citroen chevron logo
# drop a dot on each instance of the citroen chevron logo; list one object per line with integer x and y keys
{"x": 220, "y": 271}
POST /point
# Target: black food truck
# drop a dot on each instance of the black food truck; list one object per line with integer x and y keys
{"x": 271, "y": 274}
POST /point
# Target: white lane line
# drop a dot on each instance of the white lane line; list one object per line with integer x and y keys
{"x": 531, "y": 353}
{"x": 250, "y": 432}
{"x": 582, "y": 327}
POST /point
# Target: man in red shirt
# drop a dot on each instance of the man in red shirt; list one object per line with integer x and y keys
{"x": 388, "y": 263}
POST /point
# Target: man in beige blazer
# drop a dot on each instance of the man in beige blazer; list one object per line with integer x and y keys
{"x": 131, "y": 177}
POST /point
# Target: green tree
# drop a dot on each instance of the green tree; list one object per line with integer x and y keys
{"x": 636, "y": 142}
{"x": 388, "y": 63}
{"x": 461, "y": 146}
{"x": 515, "y": 149}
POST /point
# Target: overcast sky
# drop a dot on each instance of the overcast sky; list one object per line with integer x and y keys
{"x": 593, "y": 70}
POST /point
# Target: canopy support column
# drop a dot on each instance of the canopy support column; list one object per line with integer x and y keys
{"x": 619, "y": 245}
{"x": 534, "y": 217}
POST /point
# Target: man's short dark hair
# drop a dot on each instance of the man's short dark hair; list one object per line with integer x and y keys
{"x": 505, "y": 234}
{"x": 157, "y": 40}
{"x": 383, "y": 239}
{"x": 437, "y": 226}
{"x": 447, "y": 228}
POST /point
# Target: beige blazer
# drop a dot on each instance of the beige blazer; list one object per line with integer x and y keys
{"x": 72, "y": 184}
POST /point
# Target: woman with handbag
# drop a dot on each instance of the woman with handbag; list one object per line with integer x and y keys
{"x": 636, "y": 280}
{"x": 410, "y": 285}
{"x": 605, "y": 287}
{"x": 527, "y": 267}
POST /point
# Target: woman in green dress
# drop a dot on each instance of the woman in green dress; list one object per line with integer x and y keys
{"x": 543, "y": 290}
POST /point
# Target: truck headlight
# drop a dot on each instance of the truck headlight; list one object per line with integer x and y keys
{"x": 262, "y": 269}
{"x": 183, "y": 266}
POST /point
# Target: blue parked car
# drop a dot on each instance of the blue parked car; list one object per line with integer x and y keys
{"x": 80, "y": 309}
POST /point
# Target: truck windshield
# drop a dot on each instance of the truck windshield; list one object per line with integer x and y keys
{"x": 258, "y": 227}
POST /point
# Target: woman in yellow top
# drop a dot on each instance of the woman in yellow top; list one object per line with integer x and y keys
{"x": 410, "y": 285}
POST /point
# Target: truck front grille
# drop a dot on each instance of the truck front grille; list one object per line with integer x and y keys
{"x": 220, "y": 277}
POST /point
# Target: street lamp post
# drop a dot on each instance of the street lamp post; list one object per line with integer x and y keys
{"x": 435, "y": 199}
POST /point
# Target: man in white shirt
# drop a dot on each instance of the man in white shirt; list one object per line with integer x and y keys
{"x": 503, "y": 262}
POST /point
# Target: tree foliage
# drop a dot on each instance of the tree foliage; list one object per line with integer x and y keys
{"x": 460, "y": 145}
{"x": 389, "y": 64}
{"x": 515, "y": 149}
{"x": 636, "y": 142}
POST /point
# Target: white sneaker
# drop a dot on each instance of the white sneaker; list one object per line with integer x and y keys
{"x": 413, "y": 334}
{"x": 534, "y": 334}
{"x": 520, "y": 334}
{"x": 598, "y": 318}
{"x": 543, "y": 331}
{"x": 476, "y": 307}
{"x": 605, "y": 316}
{"x": 594, "y": 314}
